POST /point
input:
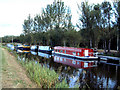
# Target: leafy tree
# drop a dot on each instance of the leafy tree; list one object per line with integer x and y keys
{"x": 38, "y": 24}
{"x": 107, "y": 23}
{"x": 117, "y": 16}
{"x": 90, "y": 22}
{"x": 28, "y": 29}
{"x": 28, "y": 25}
{"x": 56, "y": 15}
{"x": 72, "y": 38}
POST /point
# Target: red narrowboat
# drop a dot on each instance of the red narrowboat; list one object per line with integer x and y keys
{"x": 81, "y": 53}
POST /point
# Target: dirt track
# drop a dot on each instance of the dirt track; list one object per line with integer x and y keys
{"x": 13, "y": 75}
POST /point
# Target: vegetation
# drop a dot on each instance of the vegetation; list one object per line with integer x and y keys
{"x": 98, "y": 26}
{"x": 43, "y": 76}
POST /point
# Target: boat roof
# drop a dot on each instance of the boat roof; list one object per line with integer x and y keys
{"x": 70, "y": 48}
{"x": 23, "y": 46}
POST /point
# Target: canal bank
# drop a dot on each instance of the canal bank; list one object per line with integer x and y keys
{"x": 13, "y": 75}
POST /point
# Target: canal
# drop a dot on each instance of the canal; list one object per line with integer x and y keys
{"x": 78, "y": 73}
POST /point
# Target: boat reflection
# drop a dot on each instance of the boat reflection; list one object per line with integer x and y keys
{"x": 75, "y": 62}
{"x": 33, "y": 53}
{"x": 44, "y": 55}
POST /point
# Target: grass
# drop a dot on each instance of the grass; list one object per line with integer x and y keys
{"x": 16, "y": 82}
{"x": 43, "y": 76}
{"x": 2, "y": 57}
{"x": 11, "y": 51}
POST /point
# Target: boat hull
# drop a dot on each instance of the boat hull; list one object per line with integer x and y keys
{"x": 45, "y": 51}
{"x": 76, "y": 57}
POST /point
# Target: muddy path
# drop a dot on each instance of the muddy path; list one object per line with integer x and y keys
{"x": 13, "y": 74}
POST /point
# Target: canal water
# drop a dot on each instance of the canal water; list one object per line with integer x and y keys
{"x": 78, "y": 73}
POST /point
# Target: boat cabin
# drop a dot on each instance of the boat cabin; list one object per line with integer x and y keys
{"x": 45, "y": 49}
{"x": 81, "y": 52}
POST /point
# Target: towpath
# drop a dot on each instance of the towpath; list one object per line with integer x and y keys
{"x": 12, "y": 73}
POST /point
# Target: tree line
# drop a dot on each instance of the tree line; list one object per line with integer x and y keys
{"x": 98, "y": 26}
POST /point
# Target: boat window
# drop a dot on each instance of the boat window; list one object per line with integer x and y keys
{"x": 61, "y": 51}
{"x": 58, "y": 50}
{"x": 65, "y": 51}
{"x": 74, "y": 53}
{"x": 78, "y": 54}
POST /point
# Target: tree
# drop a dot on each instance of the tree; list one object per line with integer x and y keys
{"x": 117, "y": 16}
{"x": 85, "y": 19}
{"x": 107, "y": 23}
{"x": 91, "y": 23}
{"x": 28, "y": 29}
{"x": 96, "y": 14}
{"x": 72, "y": 38}
{"x": 38, "y": 24}
{"x": 57, "y": 18}
{"x": 28, "y": 25}
{"x": 56, "y": 15}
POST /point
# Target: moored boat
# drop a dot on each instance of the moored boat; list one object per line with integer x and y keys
{"x": 80, "y": 53}
{"x": 23, "y": 48}
{"x": 34, "y": 48}
{"x": 11, "y": 46}
{"x": 45, "y": 49}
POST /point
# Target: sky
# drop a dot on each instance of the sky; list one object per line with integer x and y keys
{"x": 14, "y": 12}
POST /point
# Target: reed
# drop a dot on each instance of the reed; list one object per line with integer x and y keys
{"x": 43, "y": 76}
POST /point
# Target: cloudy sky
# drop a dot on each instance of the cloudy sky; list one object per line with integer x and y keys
{"x": 14, "y": 12}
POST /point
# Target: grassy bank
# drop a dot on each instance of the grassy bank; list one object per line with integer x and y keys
{"x": 43, "y": 76}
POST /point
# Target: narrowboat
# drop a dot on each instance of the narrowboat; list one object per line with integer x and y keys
{"x": 23, "y": 48}
{"x": 11, "y": 46}
{"x": 76, "y": 63}
{"x": 34, "y": 48}
{"x": 45, "y": 49}
{"x": 19, "y": 48}
{"x": 80, "y": 53}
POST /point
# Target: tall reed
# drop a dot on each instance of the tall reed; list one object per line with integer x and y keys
{"x": 43, "y": 76}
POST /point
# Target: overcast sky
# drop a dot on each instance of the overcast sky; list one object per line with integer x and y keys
{"x": 14, "y": 12}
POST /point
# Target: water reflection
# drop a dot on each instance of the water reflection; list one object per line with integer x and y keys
{"x": 33, "y": 52}
{"x": 78, "y": 73}
{"x": 103, "y": 76}
{"x": 74, "y": 62}
{"x": 44, "y": 55}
